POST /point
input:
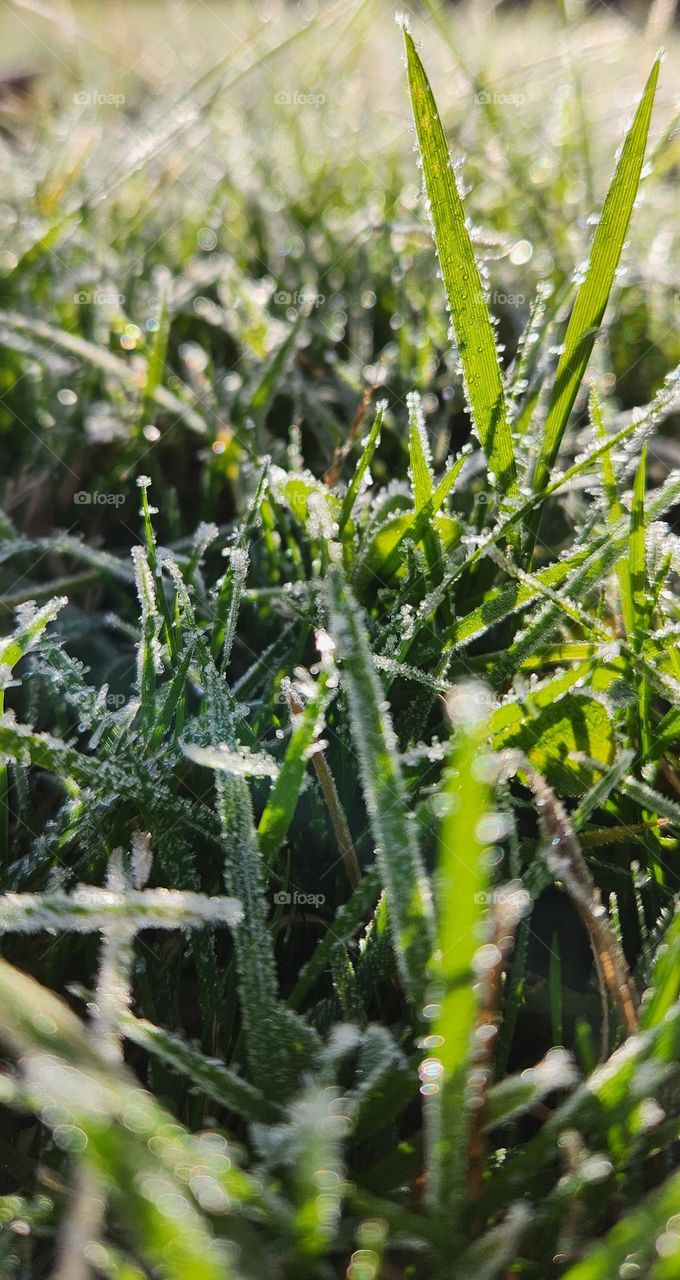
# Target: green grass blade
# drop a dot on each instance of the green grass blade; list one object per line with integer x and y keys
{"x": 665, "y": 981}
{"x": 600, "y": 792}
{"x": 417, "y": 530}
{"x": 264, "y": 1016}
{"x": 280, "y": 807}
{"x": 421, "y": 475}
{"x": 149, "y": 649}
{"x": 461, "y": 884}
{"x": 636, "y": 1235}
{"x": 354, "y": 487}
{"x": 462, "y": 279}
{"x": 349, "y": 919}
{"x": 637, "y": 560}
{"x": 501, "y": 602}
{"x": 593, "y": 295}
{"x": 399, "y": 860}
{"x": 419, "y": 453}
{"x": 212, "y": 1078}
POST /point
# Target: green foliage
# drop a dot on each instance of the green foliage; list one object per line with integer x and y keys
{"x": 464, "y": 286}
{"x": 289, "y": 940}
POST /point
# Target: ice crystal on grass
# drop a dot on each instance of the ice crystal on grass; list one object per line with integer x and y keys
{"x": 368, "y": 710}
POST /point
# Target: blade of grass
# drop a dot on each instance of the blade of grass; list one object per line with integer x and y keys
{"x": 636, "y": 1236}
{"x": 462, "y": 279}
{"x": 421, "y": 475}
{"x": 212, "y": 1078}
{"x": 418, "y": 530}
{"x": 399, "y": 860}
{"x": 593, "y": 295}
{"x": 354, "y": 487}
{"x": 280, "y": 807}
{"x": 638, "y": 596}
{"x": 460, "y": 891}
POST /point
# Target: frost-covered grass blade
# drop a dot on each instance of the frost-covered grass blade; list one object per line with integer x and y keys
{"x": 462, "y": 279}
{"x": 593, "y": 293}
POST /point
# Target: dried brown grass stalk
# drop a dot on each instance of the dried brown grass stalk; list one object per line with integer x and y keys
{"x": 567, "y": 864}
{"x": 333, "y": 804}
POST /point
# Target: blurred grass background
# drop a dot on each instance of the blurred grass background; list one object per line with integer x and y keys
{"x": 263, "y": 156}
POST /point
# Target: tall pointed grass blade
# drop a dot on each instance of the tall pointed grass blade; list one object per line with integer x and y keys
{"x": 461, "y": 885}
{"x": 665, "y": 982}
{"x": 280, "y": 807}
{"x": 463, "y": 281}
{"x": 421, "y": 475}
{"x": 593, "y": 295}
{"x": 399, "y": 860}
{"x": 264, "y": 1016}
{"x": 354, "y": 486}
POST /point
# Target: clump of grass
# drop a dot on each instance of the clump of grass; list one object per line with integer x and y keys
{"x": 347, "y": 767}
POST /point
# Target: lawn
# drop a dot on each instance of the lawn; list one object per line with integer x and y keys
{"x": 339, "y": 780}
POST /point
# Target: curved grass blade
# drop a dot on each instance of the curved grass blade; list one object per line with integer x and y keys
{"x": 464, "y": 287}
{"x": 210, "y": 1076}
{"x": 593, "y": 295}
{"x": 399, "y": 860}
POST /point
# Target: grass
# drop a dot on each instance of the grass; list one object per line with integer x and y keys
{"x": 340, "y": 666}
